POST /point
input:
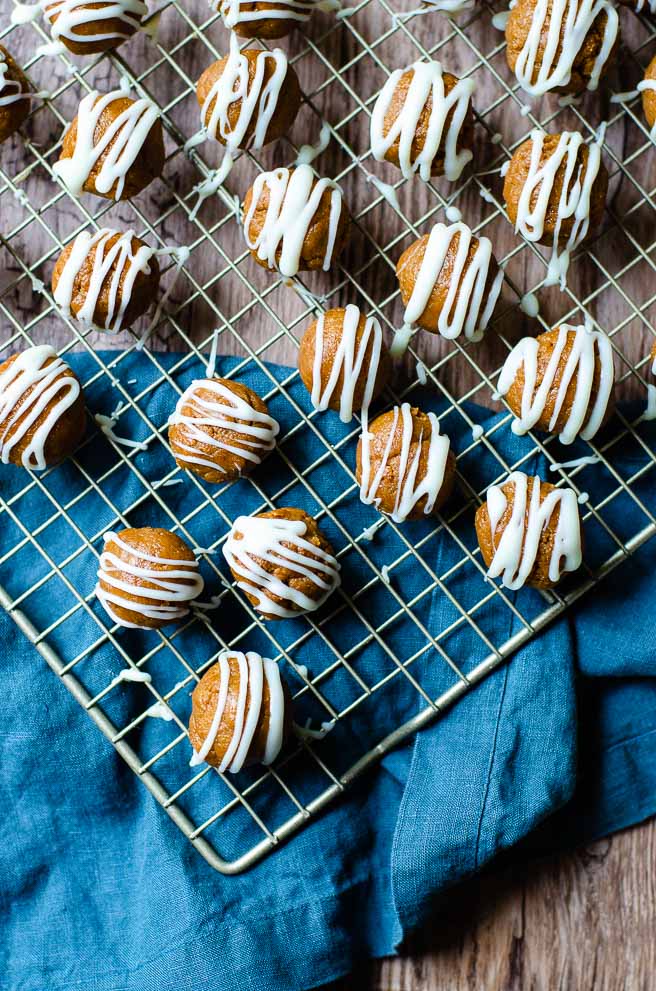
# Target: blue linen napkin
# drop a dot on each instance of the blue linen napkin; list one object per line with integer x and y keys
{"x": 98, "y": 888}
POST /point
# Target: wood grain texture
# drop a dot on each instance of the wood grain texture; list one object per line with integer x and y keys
{"x": 579, "y": 922}
{"x": 582, "y": 921}
{"x": 215, "y": 287}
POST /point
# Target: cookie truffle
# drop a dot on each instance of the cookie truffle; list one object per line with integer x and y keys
{"x": 561, "y": 382}
{"x": 221, "y": 429}
{"x": 249, "y": 98}
{"x": 648, "y": 89}
{"x": 42, "y": 417}
{"x": 561, "y": 47}
{"x": 294, "y": 222}
{"x": 106, "y": 280}
{"x": 343, "y": 361}
{"x": 15, "y": 98}
{"x": 422, "y": 122}
{"x": 114, "y": 147}
{"x": 240, "y": 712}
{"x": 282, "y": 561}
{"x": 555, "y": 192}
{"x": 449, "y": 282}
{"x": 529, "y": 532}
{"x": 404, "y": 465}
{"x": 265, "y": 19}
{"x": 147, "y": 578}
{"x": 86, "y": 27}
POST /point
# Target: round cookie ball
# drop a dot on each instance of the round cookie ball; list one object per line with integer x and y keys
{"x": 560, "y": 382}
{"x": 282, "y": 561}
{"x": 42, "y": 418}
{"x": 450, "y": 282}
{"x": 117, "y": 169}
{"x": 404, "y": 465}
{"x": 648, "y": 87}
{"x": 520, "y": 170}
{"x": 548, "y": 519}
{"x": 266, "y": 19}
{"x": 83, "y": 29}
{"x": 240, "y": 712}
{"x": 15, "y": 101}
{"x": 423, "y": 121}
{"x": 248, "y": 98}
{"x": 544, "y": 53}
{"x": 147, "y": 577}
{"x": 294, "y": 222}
{"x": 106, "y": 280}
{"x": 221, "y": 429}
{"x": 343, "y": 361}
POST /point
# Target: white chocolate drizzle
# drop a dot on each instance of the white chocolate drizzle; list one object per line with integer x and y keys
{"x": 160, "y": 710}
{"x": 72, "y": 14}
{"x": 624, "y": 97}
{"x": 308, "y": 733}
{"x": 10, "y": 89}
{"x": 279, "y": 542}
{"x": 410, "y": 488}
{"x": 24, "y": 13}
{"x": 33, "y": 392}
{"x": 468, "y": 306}
{"x": 350, "y": 359}
{"x": 650, "y": 409}
{"x": 236, "y": 12}
{"x": 250, "y": 438}
{"x": 107, "y": 424}
{"x": 118, "y": 261}
{"x": 254, "y": 672}
{"x": 294, "y": 198}
{"x": 386, "y": 190}
{"x": 257, "y": 102}
{"x": 569, "y": 22}
{"x": 500, "y": 20}
{"x": 130, "y": 674}
{"x": 210, "y": 368}
{"x": 588, "y": 459}
{"x": 451, "y": 6}
{"x": 589, "y": 350}
{"x": 517, "y": 550}
{"x": 530, "y": 304}
{"x": 259, "y": 99}
{"x": 308, "y": 153}
{"x": 122, "y": 142}
{"x": 427, "y": 84}
{"x": 180, "y": 255}
{"x": 176, "y": 583}
{"x": 574, "y": 202}
{"x": 642, "y": 86}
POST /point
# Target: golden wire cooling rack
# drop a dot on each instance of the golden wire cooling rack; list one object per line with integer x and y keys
{"x": 428, "y": 648}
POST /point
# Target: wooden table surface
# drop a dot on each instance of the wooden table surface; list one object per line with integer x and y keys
{"x": 583, "y": 921}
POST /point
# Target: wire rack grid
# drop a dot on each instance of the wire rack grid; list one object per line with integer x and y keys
{"x": 342, "y": 67}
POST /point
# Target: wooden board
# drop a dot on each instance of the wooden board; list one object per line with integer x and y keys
{"x": 583, "y": 921}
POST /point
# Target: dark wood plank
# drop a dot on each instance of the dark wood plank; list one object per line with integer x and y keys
{"x": 583, "y": 921}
